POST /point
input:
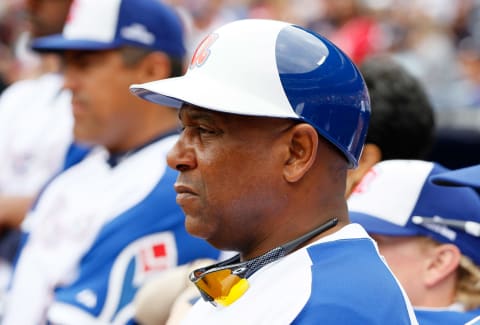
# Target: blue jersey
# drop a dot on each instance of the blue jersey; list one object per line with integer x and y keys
{"x": 433, "y": 316}
{"x": 96, "y": 235}
{"x": 340, "y": 279}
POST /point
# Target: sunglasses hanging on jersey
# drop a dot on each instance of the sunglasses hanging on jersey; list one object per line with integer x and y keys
{"x": 223, "y": 283}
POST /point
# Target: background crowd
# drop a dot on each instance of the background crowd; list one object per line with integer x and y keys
{"x": 437, "y": 41}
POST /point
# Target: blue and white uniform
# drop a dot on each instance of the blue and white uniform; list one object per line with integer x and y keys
{"x": 439, "y": 316}
{"x": 96, "y": 234}
{"x": 339, "y": 279}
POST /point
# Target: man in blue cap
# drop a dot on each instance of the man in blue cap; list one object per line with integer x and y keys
{"x": 467, "y": 176}
{"x": 101, "y": 228}
{"x": 429, "y": 234}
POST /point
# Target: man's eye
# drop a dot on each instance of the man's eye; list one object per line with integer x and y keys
{"x": 202, "y": 130}
{"x": 196, "y": 129}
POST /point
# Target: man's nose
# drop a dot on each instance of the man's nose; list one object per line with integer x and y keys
{"x": 182, "y": 156}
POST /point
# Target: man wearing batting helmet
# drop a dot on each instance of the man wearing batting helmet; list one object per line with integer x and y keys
{"x": 273, "y": 116}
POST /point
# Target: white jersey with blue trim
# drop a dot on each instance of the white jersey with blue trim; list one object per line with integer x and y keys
{"x": 340, "y": 279}
{"x": 96, "y": 234}
{"x": 438, "y": 316}
{"x": 35, "y": 132}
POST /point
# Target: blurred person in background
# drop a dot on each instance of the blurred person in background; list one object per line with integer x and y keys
{"x": 428, "y": 234}
{"x": 428, "y": 48}
{"x": 28, "y": 19}
{"x": 12, "y": 23}
{"x": 35, "y": 133}
{"x": 45, "y": 17}
{"x": 35, "y": 119}
{"x": 200, "y": 17}
{"x": 469, "y": 58}
{"x": 351, "y": 26}
{"x": 102, "y": 227}
{"x": 467, "y": 177}
{"x": 402, "y": 124}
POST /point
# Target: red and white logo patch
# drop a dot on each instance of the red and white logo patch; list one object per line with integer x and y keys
{"x": 153, "y": 258}
{"x": 203, "y": 51}
{"x": 155, "y": 254}
{"x": 72, "y": 11}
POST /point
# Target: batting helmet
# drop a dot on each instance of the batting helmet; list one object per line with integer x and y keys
{"x": 270, "y": 68}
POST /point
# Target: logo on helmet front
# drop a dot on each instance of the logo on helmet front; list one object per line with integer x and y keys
{"x": 72, "y": 11}
{"x": 203, "y": 51}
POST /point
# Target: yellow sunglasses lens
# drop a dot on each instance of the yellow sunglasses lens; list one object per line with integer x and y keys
{"x": 222, "y": 286}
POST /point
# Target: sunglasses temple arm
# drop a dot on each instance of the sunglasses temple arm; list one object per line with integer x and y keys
{"x": 292, "y": 245}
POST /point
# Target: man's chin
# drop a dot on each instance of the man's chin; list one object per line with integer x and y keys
{"x": 196, "y": 228}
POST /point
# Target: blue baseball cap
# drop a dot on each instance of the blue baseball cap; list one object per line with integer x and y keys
{"x": 468, "y": 176}
{"x": 110, "y": 24}
{"x": 396, "y": 198}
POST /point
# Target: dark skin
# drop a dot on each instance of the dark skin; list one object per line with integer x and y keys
{"x": 250, "y": 184}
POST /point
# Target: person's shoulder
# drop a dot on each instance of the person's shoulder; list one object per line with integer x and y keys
{"x": 352, "y": 258}
{"x": 48, "y": 80}
{"x": 23, "y": 94}
{"x": 345, "y": 268}
{"x": 351, "y": 240}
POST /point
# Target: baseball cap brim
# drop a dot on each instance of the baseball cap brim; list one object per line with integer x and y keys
{"x": 378, "y": 226}
{"x": 60, "y": 43}
{"x": 204, "y": 93}
{"x": 469, "y": 176}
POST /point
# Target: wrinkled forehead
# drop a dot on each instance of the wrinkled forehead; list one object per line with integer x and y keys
{"x": 192, "y": 112}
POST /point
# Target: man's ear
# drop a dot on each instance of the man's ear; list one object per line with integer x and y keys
{"x": 154, "y": 66}
{"x": 371, "y": 155}
{"x": 442, "y": 263}
{"x": 303, "y": 146}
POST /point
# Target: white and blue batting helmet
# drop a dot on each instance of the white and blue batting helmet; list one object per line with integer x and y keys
{"x": 270, "y": 68}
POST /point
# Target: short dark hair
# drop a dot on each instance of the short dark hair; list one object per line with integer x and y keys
{"x": 132, "y": 55}
{"x": 402, "y": 121}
